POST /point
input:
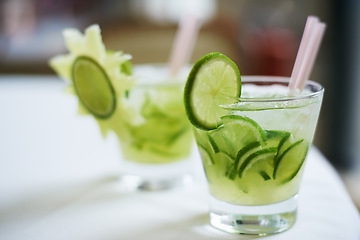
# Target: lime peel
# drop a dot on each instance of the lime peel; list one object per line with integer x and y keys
{"x": 90, "y": 45}
{"x": 213, "y": 80}
{"x": 93, "y": 87}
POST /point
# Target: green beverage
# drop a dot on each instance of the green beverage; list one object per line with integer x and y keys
{"x": 156, "y": 129}
{"x": 141, "y": 105}
{"x": 154, "y": 134}
{"x": 256, "y": 157}
{"x": 253, "y": 138}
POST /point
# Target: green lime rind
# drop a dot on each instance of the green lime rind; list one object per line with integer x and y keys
{"x": 236, "y": 132}
{"x": 264, "y": 175}
{"x": 286, "y": 168}
{"x": 213, "y": 81}
{"x": 226, "y": 155}
{"x": 226, "y": 160}
{"x": 272, "y": 154}
{"x": 274, "y": 140}
{"x": 258, "y": 132}
{"x": 222, "y": 140}
{"x": 277, "y": 138}
{"x": 244, "y": 151}
{"x": 178, "y": 135}
{"x": 263, "y": 154}
{"x": 93, "y": 87}
{"x": 277, "y": 135}
{"x": 213, "y": 143}
{"x": 205, "y": 155}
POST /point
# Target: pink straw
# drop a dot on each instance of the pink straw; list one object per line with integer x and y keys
{"x": 184, "y": 43}
{"x": 309, "y": 26}
{"x": 315, "y": 42}
{"x": 309, "y": 47}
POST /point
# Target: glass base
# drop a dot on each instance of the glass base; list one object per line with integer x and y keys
{"x": 154, "y": 184}
{"x": 154, "y": 177}
{"x": 253, "y": 220}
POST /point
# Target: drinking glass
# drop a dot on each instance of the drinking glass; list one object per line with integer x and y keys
{"x": 254, "y": 161}
{"x": 154, "y": 134}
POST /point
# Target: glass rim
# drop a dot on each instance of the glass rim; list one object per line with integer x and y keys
{"x": 315, "y": 88}
{"x": 158, "y": 74}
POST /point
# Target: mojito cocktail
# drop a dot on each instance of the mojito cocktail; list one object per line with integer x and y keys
{"x": 156, "y": 129}
{"x": 253, "y": 138}
{"x": 141, "y": 105}
{"x": 257, "y": 155}
{"x": 154, "y": 134}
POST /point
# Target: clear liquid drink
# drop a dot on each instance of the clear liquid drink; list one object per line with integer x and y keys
{"x": 254, "y": 160}
{"x": 155, "y": 136}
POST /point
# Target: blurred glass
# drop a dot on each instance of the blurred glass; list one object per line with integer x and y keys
{"x": 170, "y": 12}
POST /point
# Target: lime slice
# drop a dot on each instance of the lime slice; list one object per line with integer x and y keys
{"x": 205, "y": 155}
{"x": 214, "y": 80}
{"x": 266, "y": 154}
{"x": 213, "y": 143}
{"x": 276, "y": 138}
{"x": 290, "y": 161}
{"x": 236, "y": 132}
{"x": 241, "y": 156}
{"x": 225, "y": 161}
{"x": 93, "y": 87}
{"x": 250, "y": 155}
{"x": 264, "y": 175}
{"x": 279, "y": 139}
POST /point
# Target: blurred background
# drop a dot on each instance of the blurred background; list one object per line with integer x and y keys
{"x": 261, "y": 36}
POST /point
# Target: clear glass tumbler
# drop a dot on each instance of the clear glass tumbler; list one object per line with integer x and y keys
{"x": 254, "y": 161}
{"x": 154, "y": 134}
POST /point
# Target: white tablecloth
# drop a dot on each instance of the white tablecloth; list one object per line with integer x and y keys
{"x": 58, "y": 180}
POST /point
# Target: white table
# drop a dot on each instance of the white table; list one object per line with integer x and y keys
{"x": 58, "y": 180}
